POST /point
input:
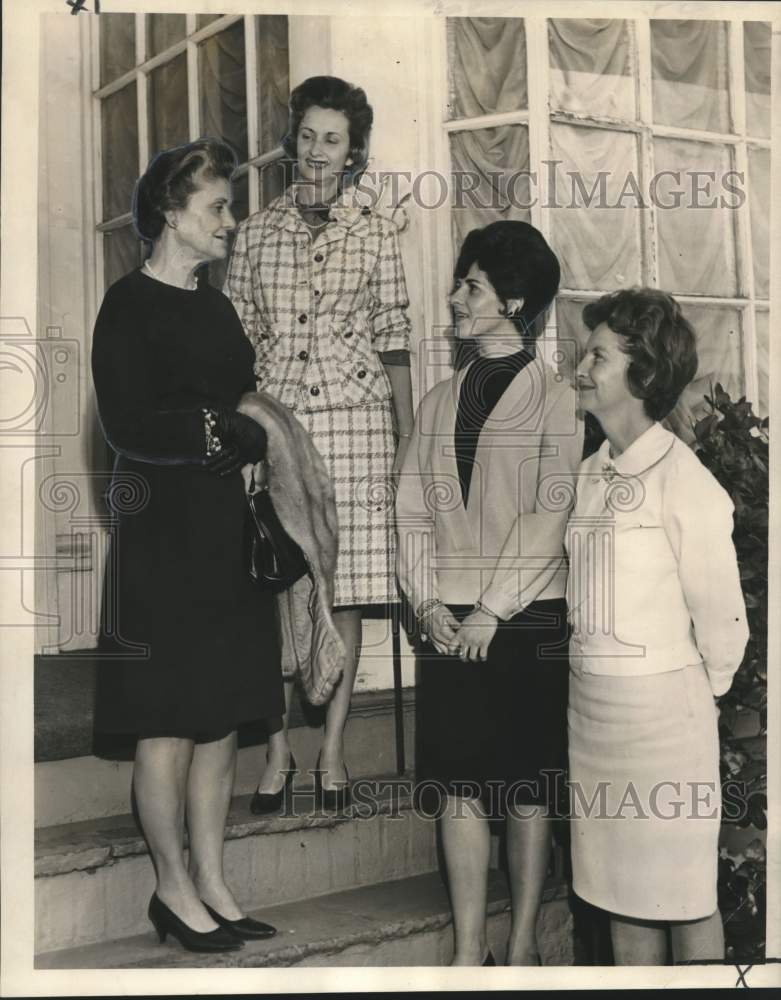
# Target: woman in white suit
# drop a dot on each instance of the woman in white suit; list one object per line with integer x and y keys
{"x": 481, "y": 521}
{"x": 659, "y": 629}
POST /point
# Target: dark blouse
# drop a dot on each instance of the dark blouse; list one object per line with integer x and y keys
{"x": 484, "y": 385}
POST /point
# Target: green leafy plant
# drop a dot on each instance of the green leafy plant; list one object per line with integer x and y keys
{"x": 732, "y": 442}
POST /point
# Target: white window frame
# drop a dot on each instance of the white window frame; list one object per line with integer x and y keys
{"x": 538, "y": 118}
{"x": 194, "y": 36}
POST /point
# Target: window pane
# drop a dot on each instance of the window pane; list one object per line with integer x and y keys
{"x": 756, "y": 56}
{"x": 165, "y": 30}
{"x": 224, "y": 88}
{"x": 203, "y": 19}
{"x": 762, "y": 321}
{"x": 217, "y": 269}
{"x": 119, "y": 118}
{"x": 168, "y": 105}
{"x": 490, "y": 177}
{"x": 720, "y": 355}
{"x": 689, "y": 66}
{"x": 487, "y": 59}
{"x": 591, "y": 67}
{"x": 571, "y": 333}
{"x": 598, "y": 245}
{"x": 273, "y": 80}
{"x": 759, "y": 195}
{"x": 117, "y": 45}
{"x": 696, "y": 232}
{"x": 121, "y": 254}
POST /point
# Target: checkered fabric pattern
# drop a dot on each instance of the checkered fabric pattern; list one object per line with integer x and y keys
{"x": 318, "y": 310}
{"x": 358, "y": 448}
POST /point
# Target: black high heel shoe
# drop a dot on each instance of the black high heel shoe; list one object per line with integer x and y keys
{"x": 488, "y": 960}
{"x": 330, "y": 799}
{"x": 244, "y": 928}
{"x": 269, "y": 802}
{"x": 166, "y": 922}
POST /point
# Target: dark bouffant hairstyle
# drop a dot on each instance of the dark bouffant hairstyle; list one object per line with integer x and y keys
{"x": 659, "y": 340}
{"x": 170, "y": 179}
{"x": 519, "y": 264}
{"x": 332, "y": 92}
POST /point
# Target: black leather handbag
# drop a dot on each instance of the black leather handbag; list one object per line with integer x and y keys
{"x": 276, "y": 562}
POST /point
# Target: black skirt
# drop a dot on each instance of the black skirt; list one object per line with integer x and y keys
{"x": 189, "y": 646}
{"x": 497, "y": 729}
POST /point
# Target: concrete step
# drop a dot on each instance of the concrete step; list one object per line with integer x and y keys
{"x": 404, "y": 922}
{"x": 73, "y": 788}
{"x": 94, "y": 878}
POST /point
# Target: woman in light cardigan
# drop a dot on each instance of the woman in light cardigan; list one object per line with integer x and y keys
{"x": 480, "y": 517}
{"x": 659, "y": 628}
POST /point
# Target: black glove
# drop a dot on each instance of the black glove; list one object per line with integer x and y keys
{"x": 243, "y": 442}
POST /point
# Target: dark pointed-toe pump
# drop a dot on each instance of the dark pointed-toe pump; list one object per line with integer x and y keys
{"x": 166, "y": 922}
{"x": 489, "y": 958}
{"x": 269, "y": 802}
{"x": 245, "y": 928}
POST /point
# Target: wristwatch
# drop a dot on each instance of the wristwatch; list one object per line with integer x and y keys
{"x": 479, "y": 606}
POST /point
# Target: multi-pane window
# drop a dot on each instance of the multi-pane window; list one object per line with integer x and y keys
{"x": 641, "y": 149}
{"x": 165, "y": 79}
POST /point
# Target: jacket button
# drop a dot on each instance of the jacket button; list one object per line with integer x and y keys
{"x": 318, "y": 258}
{"x": 302, "y": 355}
{"x": 361, "y": 373}
{"x": 314, "y": 391}
{"x": 302, "y": 318}
{"x": 264, "y": 336}
{"x": 348, "y": 334}
{"x": 317, "y": 291}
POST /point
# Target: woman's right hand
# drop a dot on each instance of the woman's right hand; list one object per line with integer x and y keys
{"x": 243, "y": 442}
{"x": 441, "y": 627}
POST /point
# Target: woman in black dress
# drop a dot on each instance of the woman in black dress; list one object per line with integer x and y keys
{"x": 481, "y": 511}
{"x": 190, "y": 647}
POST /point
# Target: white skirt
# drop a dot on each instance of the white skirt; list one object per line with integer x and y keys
{"x": 646, "y": 796}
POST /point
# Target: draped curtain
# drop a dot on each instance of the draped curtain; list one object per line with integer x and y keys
{"x": 591, "y": 69}
{"x": 224, "y": 88}
{"x": 168, "y": 105}
{"x": 689, "y": 66}
{"x": 487, "y": 76}
{"x": 593, "y": 72}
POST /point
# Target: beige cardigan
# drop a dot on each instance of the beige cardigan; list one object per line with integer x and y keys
{"x": 506, "y": 546}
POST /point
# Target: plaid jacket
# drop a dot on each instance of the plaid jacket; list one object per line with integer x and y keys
{"x": 318, "y": 310}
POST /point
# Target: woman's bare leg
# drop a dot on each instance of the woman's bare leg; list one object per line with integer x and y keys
{"x": 466, "y": 844}
{"x": 209, "y": 791}
{"x": 638, "y": 942}
{"x": 159, "y": 785}
{"x": 698, "y": 940}
{"x": 528, "y": 853}
{"x": 349, "y": 626}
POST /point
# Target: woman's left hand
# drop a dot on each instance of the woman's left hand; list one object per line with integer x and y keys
{"x": 475, "y": 636}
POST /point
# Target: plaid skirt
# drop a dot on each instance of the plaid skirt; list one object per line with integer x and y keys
{"x": 358, "y": 447}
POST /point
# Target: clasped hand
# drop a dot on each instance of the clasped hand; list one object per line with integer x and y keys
{"x": 469, "y": 640}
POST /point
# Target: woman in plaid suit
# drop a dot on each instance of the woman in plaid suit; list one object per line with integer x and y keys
{"x": 318, "y": 283}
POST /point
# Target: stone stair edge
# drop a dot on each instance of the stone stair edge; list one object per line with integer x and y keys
{"x": 87, "y": 845}
{"x": 283, "y": 954}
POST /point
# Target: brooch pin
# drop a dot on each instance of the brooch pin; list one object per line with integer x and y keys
{"x": 609, "y": 472}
